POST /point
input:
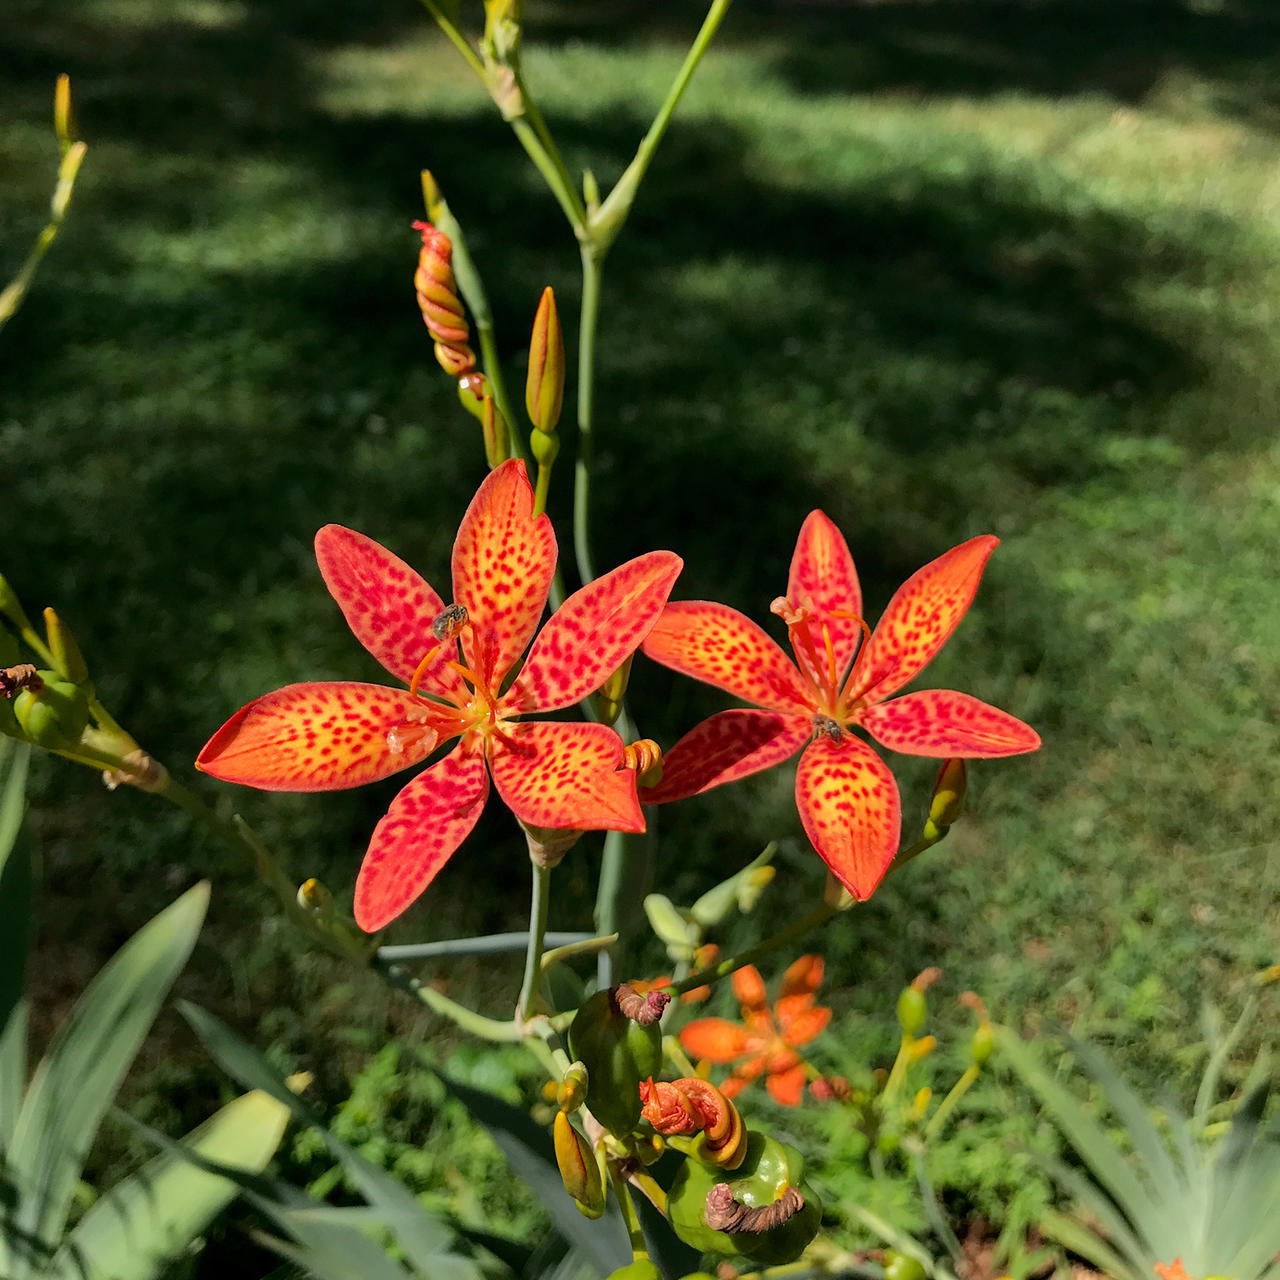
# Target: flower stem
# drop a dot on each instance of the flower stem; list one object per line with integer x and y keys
{"x": 592, "y": 267}
{"x": 948, "y": 1104}
{"x": 541, "y": 490}
{"x": 537, "y": 934}
{"x": 821, "y": 913}
{"x": 634, "y": 1232}
{"x": 478, "y": 1025}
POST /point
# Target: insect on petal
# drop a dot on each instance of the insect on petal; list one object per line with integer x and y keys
{"x": 822, "y": 574}
{"x": 850, "y": 809}
{"x": 503, "y": 562}
{"x": 724, "y": 648}
{"x": 566, "y": 775}
{"x": 388, "y": 605}
{"x": 920, "y": 618}
{"x": 319, "y": 737}
{"x": 945, "y": 725}
{"x": 427, "y": 821}
{"x": 594, "y": 632}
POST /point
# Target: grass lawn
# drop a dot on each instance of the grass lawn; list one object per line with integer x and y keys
{"x": 939, "y": 268}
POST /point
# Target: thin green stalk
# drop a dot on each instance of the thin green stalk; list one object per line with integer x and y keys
{"x": 819, "y": 915}
{"x": 569, "y": 200}
{"x": 537, "y": 934}
{"x": 478, "y": 1025}
{"x": 493, "y": 371}
{"x": 541, "y": 490}
{"x": 555, "y": 178}
{"x": 949, "y": 1103}
{"x": 634, "y": 1231}
{"x": 457, "y": 38}
{"x": 592, "y": 266}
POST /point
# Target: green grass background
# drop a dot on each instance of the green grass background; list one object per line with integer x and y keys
{"x": 938, "y": 268}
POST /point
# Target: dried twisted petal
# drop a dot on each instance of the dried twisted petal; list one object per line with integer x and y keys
{"x": 724, "y": 1213}
{"x": 438, "y": 300}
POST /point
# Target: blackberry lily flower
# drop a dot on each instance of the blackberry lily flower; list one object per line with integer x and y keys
{"x": 332, "y": 736}
{"x": 847, "y": 797}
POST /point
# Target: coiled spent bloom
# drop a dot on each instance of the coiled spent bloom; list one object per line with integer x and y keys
{"x": 692, "y": 1105}
{"x": 439, "y": 302}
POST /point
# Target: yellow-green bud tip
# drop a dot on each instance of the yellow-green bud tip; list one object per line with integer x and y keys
{"x": 544, "y": 387}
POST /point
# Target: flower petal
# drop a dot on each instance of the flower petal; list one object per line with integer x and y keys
{"x": 788, "y": 1008}
{"x": 566, "y": 775}
{"x": 427, "y": 821}
{"x": 722, "y": 647}
{"x": 724, "y": 748}
{"x": 822, "y": 574}
{"x": 944, "y": 724}
{"x": 806, "y": 1024}
{"x": 850, "y": 810}
{"x": 803, "y": 976}
{"x": 388, "y": 606}
{"x": 503, "y": 563}
{"x": 788, "y": 1087}
{"x": 920, "y": 618}
{"x": 593, "y": 633}
{"x": 749, "y": 989}
{"x": 715, "y": 1039}
{"x": 318, "y": 737}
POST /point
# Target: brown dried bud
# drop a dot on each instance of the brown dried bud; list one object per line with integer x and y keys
{"x": 15, "y": 679}
{"x": 548, "y": 845}
{"x": 646, "y": 1009}
{"x": 143, "y": 772}
{"x": 724, "y": 1213}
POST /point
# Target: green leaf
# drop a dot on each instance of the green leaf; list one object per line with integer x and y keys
{"x": 425, "y": 1238}
{"x": 15, "y": 931}
{"x": 1079, "y": 1239}
{"x": 146, "y": 1221}
{"x": 79, "y": 1076}
{"x": 530, "y": 1152}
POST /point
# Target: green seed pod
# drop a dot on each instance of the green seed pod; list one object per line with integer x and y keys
{"x": 900, "y": 1266}
{"x": 55, "y": 715}
{"x": 912, "y": 1010}
{"x": 617, "y": 1053}
{"x": 640, "y": 1269}
{"x": 768, "y": 1170}
{"x": 982, "y": 1044}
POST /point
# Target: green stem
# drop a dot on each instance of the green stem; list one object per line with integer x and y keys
{"x": 819, "y": 915}
{"x": 948, "y": 1104}
{"x": 563, "y": 187}
{"x": 493, "y": 371}
{"x": 541, "y": 490}
{"x": 592, "y": 266}
{"x": 486, "y": 1028}
{"x": 537, "y": 933}
{"x": 552, "y": 174}
{"x": 634, "y": 1231}
{"x": 458, "y": 39}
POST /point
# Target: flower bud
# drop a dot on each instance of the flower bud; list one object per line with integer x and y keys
{"x": 922, "y": 1048}
{"x": 679, "y": 935}
{"x": 578, "y": 1167}
{"x": 571, "y": 1092}
{"x": 982, "y": 1044}
{"x": 472, "y": 389}
{"x": 544, "y": 387}
{"x": 544, "y": 445}
{"x": 66, "y": 653}
{"x": 497, "y": 435}
{"x": 315, "y": 898}
{"x": 912, "y": 1010}
{"x": 609, "y": 695}
{"x": 52, "y": 711}
{"x": 63, "y": 120}
{"x": 11, "y": 608}
{"x": 921, "y": 1104}
{"x": 948, "y": 798}
{"x": 432, "y": 196}
{"x": 438, "y": 300}
{"x": 751, "y": 884}
{"x": 898, "y": 1266}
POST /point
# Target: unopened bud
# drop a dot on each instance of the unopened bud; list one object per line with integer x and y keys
{"x": 438, "y": 300}
{"x": 11, "y": 608}
{"x": 63, "y": 120}
{"x": 473, "y": 387}
{"x": 544, "y": 387}
{"x": 921, "y": 1104}
{"x": 578, "y": 1168}
{"x": 497, "y": 435}
{"x": 609, "y": 695}
{"x": 544, "y": 445}
{"x": 571, "y": 1092}
{"x": 912, "y": 1010}
{"x": 315, "y": 898}
{"x": 432, "y": 197}
{"x": 983, "y": 1042}
{"x": 948, "y": 798}
{"x": 751, "y": 884}
{"x": 922, "y": 1048}
{"x": 667, "y": 922}
{"x": 67, "y": 657}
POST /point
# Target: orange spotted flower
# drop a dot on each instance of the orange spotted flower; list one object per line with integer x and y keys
{"x": 840, "y": 679}
{"x": 765, "y": 1043}
{"x": 331, "y": 736}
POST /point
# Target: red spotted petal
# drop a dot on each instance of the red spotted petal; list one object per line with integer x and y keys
{"x": 503, "y": 563}
{"x": 822, "y": 574}
{"x": 803, "y": 976}
{"x": 724, "y": 748}
{"x": 944, "y": 724}
{"x": 850, "y": 810}
{"x": 788, "y": 1087}
{"x": 388, "y": 605}
{"x": 427, "y": 821}
{"x": 749, "y": 989}
{"x": 594, "y": 632}
{"x": 806, "y": 1024}
{"x": 566, "y": 775}
{"x": 715, "y": 1039}
{"x": 920, "y": 618}
{"x": 320, "y": 737}
{"x": 721, "y": 647}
